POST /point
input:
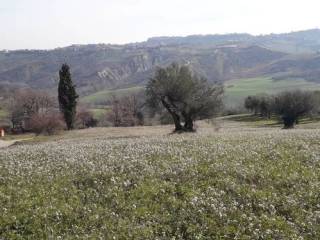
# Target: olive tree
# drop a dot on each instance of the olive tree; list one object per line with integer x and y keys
{"x": 252, "y": 104}
{"x": 184, "y": 95}
{"x": 290, "y": 106}
{"x": 260, "y": 104}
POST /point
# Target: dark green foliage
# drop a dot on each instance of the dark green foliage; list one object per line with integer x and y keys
{"x": 252, "y": 104}
{"x": 266, "y": 105}
{"x": 184, "y": 95}
{"x": 67, "y": 96}
{"x": 290, "y": 106}
{"x": 262, "y": 105}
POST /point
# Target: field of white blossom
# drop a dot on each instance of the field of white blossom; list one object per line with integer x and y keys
{"x": 235, "y": 183}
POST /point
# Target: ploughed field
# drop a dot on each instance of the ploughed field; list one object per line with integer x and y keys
{"x": 144, "y": 183}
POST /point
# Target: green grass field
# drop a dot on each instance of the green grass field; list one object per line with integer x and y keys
{"x": 106, "y": 95}
{"x": 3, "y": 114}
{"x": 3, "y": 117}
{"x": 237, "y": 90}
{"x": 99, "y": 112}
{"x": 238, "y": 182}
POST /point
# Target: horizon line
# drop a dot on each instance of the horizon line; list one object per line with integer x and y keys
{"x": 164, "y": 36}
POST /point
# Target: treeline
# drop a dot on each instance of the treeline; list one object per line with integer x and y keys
{"x": 174, "y": 94}
{"x": 288, "y": 106}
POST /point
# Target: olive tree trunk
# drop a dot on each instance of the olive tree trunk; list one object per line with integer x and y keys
{"x": 175, "y": 116}
{"x": 289, "y": 122}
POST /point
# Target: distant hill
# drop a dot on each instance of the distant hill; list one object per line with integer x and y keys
{"x": 217, "y": 57}
{"x": 295, "y": 42}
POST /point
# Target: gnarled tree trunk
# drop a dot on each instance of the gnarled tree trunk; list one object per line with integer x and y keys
{"x": 175, "y": 116}
{"x": 288, "y": 122}
{"x": 188, "y": 122}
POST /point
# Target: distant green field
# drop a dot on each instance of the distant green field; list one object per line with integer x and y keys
{"x": 3, "y": 114}
{"x": 105, "y": 95}
{"x": 99, "y": 112}
{"x": 237, "y": 90}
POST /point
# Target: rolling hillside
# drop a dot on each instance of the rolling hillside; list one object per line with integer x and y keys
{"x": 218, "y": 57}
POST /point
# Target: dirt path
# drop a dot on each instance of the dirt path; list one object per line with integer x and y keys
{"x": 4, "y": 144}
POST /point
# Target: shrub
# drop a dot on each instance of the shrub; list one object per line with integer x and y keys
{"x": 46, "y": 123}
{"x": 85, "y": 119}
{"x": 27, "y": 103}
{"x": 125, "y": 112}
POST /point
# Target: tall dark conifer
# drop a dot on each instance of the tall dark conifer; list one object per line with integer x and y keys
{"x": 67, "y": 96}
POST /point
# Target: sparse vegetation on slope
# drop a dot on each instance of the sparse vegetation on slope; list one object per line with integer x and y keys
{"x": 105, "y": 97}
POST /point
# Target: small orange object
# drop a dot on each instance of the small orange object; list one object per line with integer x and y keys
{"x": 2, "y": 132}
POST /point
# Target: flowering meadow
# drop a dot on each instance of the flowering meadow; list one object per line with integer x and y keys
{"x": 238, "y": 183}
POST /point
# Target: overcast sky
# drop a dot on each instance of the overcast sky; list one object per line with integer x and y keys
{"x": 46, "y": 24}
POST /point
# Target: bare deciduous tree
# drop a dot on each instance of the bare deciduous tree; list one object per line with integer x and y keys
{"x": 46, "y": 123}
{"x": 85, "y": 118}
{"x": 125, "y": 112}
{"x": 25, "y": 104}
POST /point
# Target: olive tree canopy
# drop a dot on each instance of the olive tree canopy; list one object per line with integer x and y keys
{"x": 290, "y": 106}
{"x": 184, "y": 95}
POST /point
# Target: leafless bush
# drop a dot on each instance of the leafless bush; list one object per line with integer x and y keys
{"x": 125, "y": 112}
{"x": 25, "y": 104}
{"x": 48, "y": 123}
{"x": 85, "y": 119}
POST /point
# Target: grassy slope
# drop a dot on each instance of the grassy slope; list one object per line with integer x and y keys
{"x": 142, "y": 183}
{"x": 99, "y": 112}
{"x": 3, "y": 113}
{"x": 237, "y": 90}
{"x": 3, "y": 117}
{"x": 108, "y": 94}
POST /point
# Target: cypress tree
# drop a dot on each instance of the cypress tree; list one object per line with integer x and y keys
{"x": 67, "y": 96}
